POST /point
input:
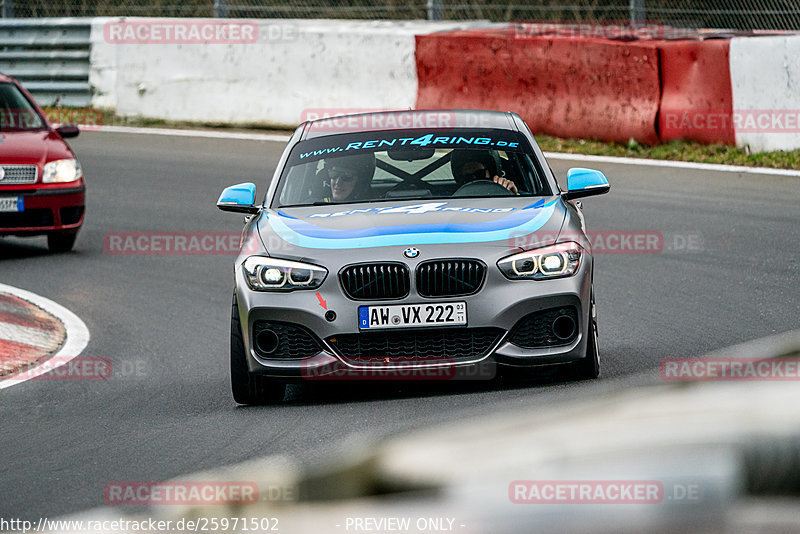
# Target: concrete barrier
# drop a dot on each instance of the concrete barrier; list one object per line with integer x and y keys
{"x": 696, "y": 100}
{"x": 587, "y": 88}
{"x": 657, "y": 86}
{"x": 103, "y": 67}
{"x": 156, "y": 70}
{"x": 765, "y": 78}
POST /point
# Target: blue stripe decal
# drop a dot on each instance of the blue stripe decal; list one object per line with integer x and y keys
{"x": 538, "y": 204}
{"x": 307, "y": 235}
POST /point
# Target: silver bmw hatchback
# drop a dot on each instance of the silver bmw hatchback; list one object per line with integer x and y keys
{"x": 411, "y": 245}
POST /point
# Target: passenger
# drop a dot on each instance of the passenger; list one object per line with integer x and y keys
{"x": 470, "y": 165}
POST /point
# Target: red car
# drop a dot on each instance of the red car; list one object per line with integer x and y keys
{"x": 42, "y": 191}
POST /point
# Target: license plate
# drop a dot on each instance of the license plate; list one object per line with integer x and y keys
{"x": 412, "y": 315}
{"x": 12, "y": 204}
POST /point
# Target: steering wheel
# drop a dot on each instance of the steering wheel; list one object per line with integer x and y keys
{"x": 482, "y": 187}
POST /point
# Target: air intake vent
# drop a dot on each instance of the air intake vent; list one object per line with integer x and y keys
{"x": 450, "y": 278}
{"x": 375, "y": 281}
{"x": 272, "y": 339}
{"x": 417, "y": 344}
{"x": 546, "y": 328}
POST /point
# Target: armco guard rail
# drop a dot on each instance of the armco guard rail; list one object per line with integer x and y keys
{"x": 50, "y": 57}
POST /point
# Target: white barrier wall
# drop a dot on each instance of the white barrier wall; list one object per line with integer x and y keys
{"x": 765, "y": 80}
{"x": 291, "y": 66}
{"x": 103, "y": 67}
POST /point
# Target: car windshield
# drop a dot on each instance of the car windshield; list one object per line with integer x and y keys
{"x": 377, "y": 166}
{"x": 16, "y": 113}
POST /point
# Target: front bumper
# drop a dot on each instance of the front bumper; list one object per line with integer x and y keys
{"x": 48, "y": 208}
{"x": 500, "y": 304}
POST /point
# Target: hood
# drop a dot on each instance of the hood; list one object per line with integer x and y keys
{"x": 34, "y": 147}
{"x": 490, "y": 223}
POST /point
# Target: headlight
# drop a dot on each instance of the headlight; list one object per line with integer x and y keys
{"x": 271, "y": 274}
{"x": 62, "y": 170}
{"x": 555, "y": 261}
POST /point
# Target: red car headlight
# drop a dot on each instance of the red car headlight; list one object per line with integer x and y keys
{"x": 61, "y": 171}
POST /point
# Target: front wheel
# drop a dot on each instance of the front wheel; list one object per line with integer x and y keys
{"x": 248, "y": 388}
{"x": 589, "y": 366}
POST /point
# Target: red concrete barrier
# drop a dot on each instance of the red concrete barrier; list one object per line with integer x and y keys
{"x": 588, "y": 88}
{"x": 696, "y": 100}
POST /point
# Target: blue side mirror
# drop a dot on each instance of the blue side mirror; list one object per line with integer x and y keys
{"x": 239, "y": 198}
{"x": 585, "y": 182}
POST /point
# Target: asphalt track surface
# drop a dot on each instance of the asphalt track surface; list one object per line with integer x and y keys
{"x": 163, "y": 320}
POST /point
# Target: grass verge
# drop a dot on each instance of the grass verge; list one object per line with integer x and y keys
{"x": 675, "y": 151}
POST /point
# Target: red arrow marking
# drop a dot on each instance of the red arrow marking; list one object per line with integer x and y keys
{"x": 322, "y": 301}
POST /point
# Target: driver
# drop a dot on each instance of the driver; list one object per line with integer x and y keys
{"x": 350, "y": 177}
{"x": 470, "y": 165}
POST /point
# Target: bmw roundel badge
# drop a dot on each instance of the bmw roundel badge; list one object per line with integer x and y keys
{"x": 411, "y": 252}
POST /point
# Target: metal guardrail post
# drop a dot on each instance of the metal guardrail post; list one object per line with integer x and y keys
{"x": 7, "y": 9}
{"x": 637, "y": 10}
{"x": 434, "y": 9}
{"x": 220, "y": 9}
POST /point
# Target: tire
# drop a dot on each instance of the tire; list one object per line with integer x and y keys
{"x": 246, "y": 387}
{"x": 589, "y": 366}
{"x": 62, "y": 242}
